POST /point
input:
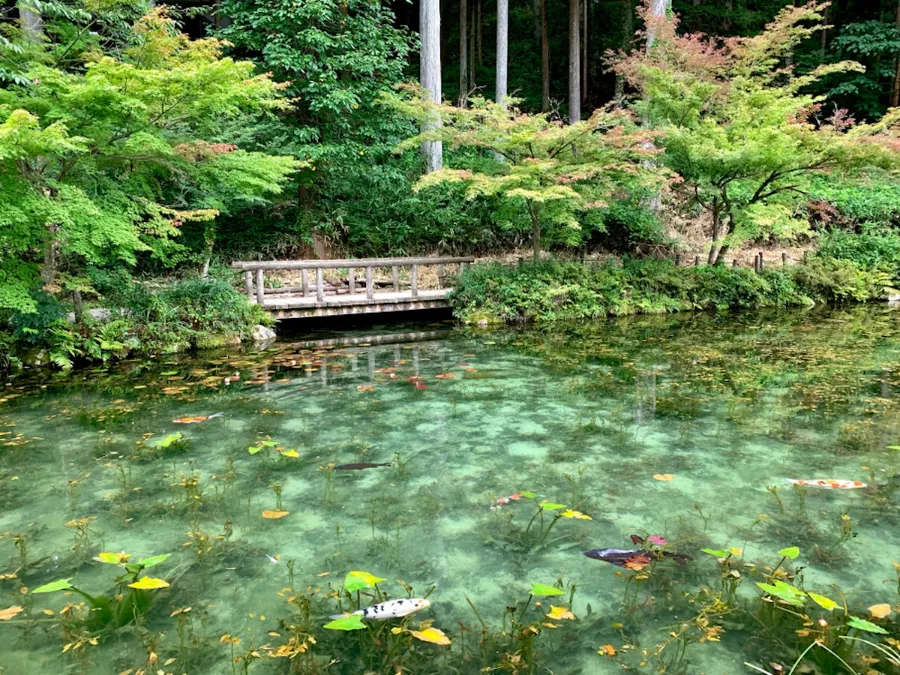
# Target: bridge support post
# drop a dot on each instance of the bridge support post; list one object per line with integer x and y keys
{"x": 370, "y": 292}
{"x": 351, "y": 280}
{"x": 260, "y": 288}
{"x": 320, "y": 285}
{"x": 304, "y": 282}
{"x": 395, "y": 275}
{"x": 414, "y": 281}
{"x": 248, "y": 284}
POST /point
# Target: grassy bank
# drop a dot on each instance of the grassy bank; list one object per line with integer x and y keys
{"x": 559, "y": 291}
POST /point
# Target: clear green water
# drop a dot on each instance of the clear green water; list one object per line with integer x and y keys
{"x": 584, "y": 415}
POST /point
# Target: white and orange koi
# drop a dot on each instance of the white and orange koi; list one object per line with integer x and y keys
{"x": 829, "y": 484}
{"x": 198, "y": 419}
{"x": 504, "y": 501}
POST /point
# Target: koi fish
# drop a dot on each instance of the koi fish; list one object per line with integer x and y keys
{"x": 392, "y": 609}
{"x": 196, "y": 420}
{"x": 504, "y": 501}
{"x": 359, "y": 465}
{"x": 829, "y": 484}
{"x": 634, "y": 558}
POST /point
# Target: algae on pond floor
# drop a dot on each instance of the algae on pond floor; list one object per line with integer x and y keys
{"x": 675, "y": 429}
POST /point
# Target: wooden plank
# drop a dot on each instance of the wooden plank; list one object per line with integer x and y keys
{"x": 395, "y": 275}
{"x": 304, "y": 281}
{"x": 414, "y": 280}
{"x": 248, "y": 284}
{"x": 260, "y": 290}
{"x": 336, "y": 264}
{"x": 351, "y": 280}
{"x": 369, "y": 289}
{"x": 320, "y": 285}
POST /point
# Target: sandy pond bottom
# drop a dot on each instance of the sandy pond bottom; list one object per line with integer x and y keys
{"x": 670, "y": 426}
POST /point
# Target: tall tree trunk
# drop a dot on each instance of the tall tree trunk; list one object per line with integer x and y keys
{"x": 823, "y": 44}
{"x": 472, "y": 49}
{"x": 895, "y": 94}
{"x": 574, "y": 62}
{"x": 658, "y": 9}
{"x": 30, "y": 20}
{"x": 627, "y": 35}
{"x": 545, "y": 60}
{"x": 585, "y": 69}
{"x": 716, "y": 228}
{"x": 536, "y": 19}
{"x": 430, "y": 75}
{"x": 502, "y": 50}
{"x": 463, "y": 53}
{"x": 480, "y": 35}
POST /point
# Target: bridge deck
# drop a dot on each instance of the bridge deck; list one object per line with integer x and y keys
{"x": 297, "y": 306}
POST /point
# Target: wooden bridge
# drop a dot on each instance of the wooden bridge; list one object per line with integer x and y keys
{"x": 332, "y": 287}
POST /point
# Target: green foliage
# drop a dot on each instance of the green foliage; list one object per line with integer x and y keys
{"x": 557, "y": 178}
{"x": 874, "y": 44}
{"x": 743, "y": 135}
{"x": 558, "y": 291}
{"x": 105, "y": 154}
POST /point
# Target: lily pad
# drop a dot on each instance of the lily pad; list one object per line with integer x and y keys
{"x": 791, "y": 553}
{"x": 823, "y": 602}
{"x": 60, "y": 585}
{"x": 356, "y": 580}
{"x": 715, "y": 552}
{"x": 867, "y": 626}
{"x": 350, "y": 622}
{"x": 154, "y": 560}
{"x": 149, "y": 584}
{"x": 113, "y": 558}
{"x": 432, "y": 635}
{"x": 784, "y": 592}
{"x": 551, "y": 506}
{"x": 542, "y": 590}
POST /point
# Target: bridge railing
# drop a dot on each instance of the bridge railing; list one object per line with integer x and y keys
{"x": 254, "y": 275}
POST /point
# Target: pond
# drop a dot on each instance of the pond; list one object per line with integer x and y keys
{"x": 681, "y": 428}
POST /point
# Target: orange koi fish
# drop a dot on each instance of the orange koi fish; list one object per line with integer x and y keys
{"x": 196, "y": 420}
{"x": 829, "y": 484}
{"x": 503, "y": 501}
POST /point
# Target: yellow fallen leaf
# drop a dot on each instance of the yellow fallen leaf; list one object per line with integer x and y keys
{"x": 880, "y": 611}
{"x": 290, "y": 453}
{"x": 149, "y": 584}
{"x": 608, "y": 650}
{"x": 433, "y": 635}
{"x": 569, "y": 513}
{"x": 275, "y": 514}
{"x": 557, "y": 613}
{"x": 665, "y": 477}
{"x": 9, "y": 612}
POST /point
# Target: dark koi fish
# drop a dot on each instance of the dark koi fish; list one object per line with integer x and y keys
{"x": 634, "y": 558}
{"x": 359, "y": 465}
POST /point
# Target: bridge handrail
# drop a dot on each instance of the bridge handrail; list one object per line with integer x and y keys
{"x": 339, "y": 264}
{"x": 368, "y": 264}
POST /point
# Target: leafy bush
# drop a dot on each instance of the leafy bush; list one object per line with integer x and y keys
{"x": 552, "y": 290}
{"x": 869, "y": 250}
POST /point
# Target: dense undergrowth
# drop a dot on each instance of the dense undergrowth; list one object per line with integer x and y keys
{"x": 847, "y": 267}
{"x": 135, "y": 317}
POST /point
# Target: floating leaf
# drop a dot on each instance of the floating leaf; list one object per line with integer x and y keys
{"x": 169, "y": 440}
{"x": 253, "y": 449}
{"x": 528, "y": 495}
{"x": 274, "y": 514}
{"x": 149, "y": 584}
{"x": 557, "y": 613}
{"x": 736, "y": 551}
{"x": 867, "y": 626}
{"x": 113, "y": 558}
{"x": 784, "y": 592}
{"x": 432, "y": 635}
{"x": 290, "y": 453}
{"x": 607, "y": 650}
{"x": 9, "y": 612}
{"x": 823, "y": 602}
{"x": 541, "y": 590}
{"x": 880, "y": 611}
{"x": 657, "y": 540}
{"x": 355, "y": 580}
{"x": 551, "y": 506}
{"x": 60, "y": 585}
{"x": 445, "y": 376}
{"x": 665, "y": 477}
{"x": 350, "y": 622}
{"x": 153, "y": 561}
{"x": 790, "y": 553}
{"x": 715, "y": 552}
{"x": 569, "y": 513}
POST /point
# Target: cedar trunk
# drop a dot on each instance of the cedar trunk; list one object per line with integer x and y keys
{"x": 574, "y": 62}
{"x": 463, "y": 53}
{"x": 430, "y": 75}
{"x": 502, "y": 50}
{"x": 545, "y": 60}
